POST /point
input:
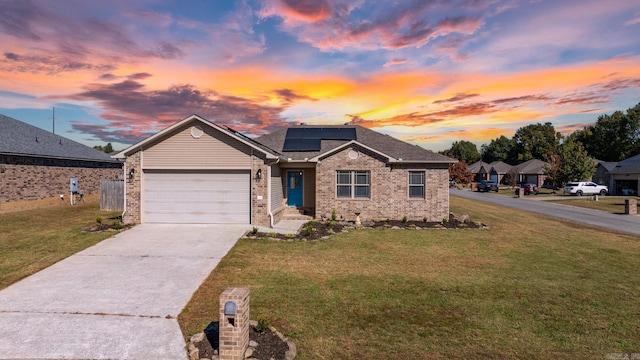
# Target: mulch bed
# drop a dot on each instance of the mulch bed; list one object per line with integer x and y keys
{"x": 316, "y": 230}
{"x": 270, "y": 346}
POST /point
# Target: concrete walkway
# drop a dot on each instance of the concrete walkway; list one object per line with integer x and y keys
{"x": 629, "y": 224}
{"x": 116, "y": 300}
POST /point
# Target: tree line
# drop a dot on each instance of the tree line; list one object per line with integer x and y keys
{"x": 613, "y": 137}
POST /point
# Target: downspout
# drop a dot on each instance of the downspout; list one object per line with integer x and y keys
{"x": 271, "y": 224}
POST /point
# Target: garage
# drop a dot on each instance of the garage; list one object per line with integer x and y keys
{"x": 196, "y": 197}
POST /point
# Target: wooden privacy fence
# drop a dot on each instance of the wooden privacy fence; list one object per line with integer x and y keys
{"x": 111, "y": 195}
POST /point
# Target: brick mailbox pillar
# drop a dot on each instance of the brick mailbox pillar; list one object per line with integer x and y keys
{"x": 234, "y": 323}
{"x": 631, "y": 207}
{"x": 521, "y": 192}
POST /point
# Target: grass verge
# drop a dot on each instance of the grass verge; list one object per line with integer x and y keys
{"x": 32, "y": 240}
{"x": 614, "y": 205}
{"x": 516, "y": 290}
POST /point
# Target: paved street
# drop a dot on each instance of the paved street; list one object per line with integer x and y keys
{"x": 621, "y": 223}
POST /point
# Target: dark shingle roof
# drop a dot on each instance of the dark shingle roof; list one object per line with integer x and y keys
{"x": 382, "y": 143}
{"x": 627, "y": 166}
{"x": 19, "y": 138}
{"x": 608, "y": 165}
{"x": 500, "y": 167}
{"x": 477, "y": 167}
{"x": 533, "y": 166}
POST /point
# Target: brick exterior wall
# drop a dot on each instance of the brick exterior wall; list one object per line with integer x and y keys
{"x": 389, "y": 189}
{"x": 259, "y": 188}
{"x": 35, "y": 178}
{"x": 133, "y": 189}
{"x": 234, "y": 338}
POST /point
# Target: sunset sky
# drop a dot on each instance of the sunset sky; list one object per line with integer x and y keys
{"x": 426, "y": 71}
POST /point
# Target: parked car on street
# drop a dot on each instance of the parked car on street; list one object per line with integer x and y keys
{"x": 629, "y": 192}
{"x": 528, "y": 189}
{"x": 585, "y": 188}
{"x": 485, "y": 185}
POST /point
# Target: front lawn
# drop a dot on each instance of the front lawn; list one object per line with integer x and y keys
{"x": 515, "y": 290}
{"x": 32, "y": 240}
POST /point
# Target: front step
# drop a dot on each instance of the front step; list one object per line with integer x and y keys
{"x": 296, "y": 213}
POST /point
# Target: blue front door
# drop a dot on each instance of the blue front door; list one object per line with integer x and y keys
{"x": 294, "y": 188}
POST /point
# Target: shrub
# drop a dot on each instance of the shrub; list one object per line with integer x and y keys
{"x": 263, "y": 324}
{"x": 99, "y": 220}
{"x": 333, "y": 215}
{"x": 308, "y": 230}
{"x": 330, "y": 223}
{"x": 404, "y": 219}
{"x": 424, "y": 219}
{"x": 254, "y": 230}
{"x": 117, "y": 225}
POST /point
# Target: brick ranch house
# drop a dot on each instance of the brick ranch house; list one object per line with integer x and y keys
{"x": 198, "y": 172}
{"x": 36, "y": 164}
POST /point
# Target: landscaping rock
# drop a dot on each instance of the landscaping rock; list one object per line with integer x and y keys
{"x": 197, "y": 337}
{"x": 248, "y": 353}
{"x": 253, "y": 343}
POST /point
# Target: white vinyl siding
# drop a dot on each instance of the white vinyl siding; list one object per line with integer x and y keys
{"x": 197, "y": 197}
{"x": 213, "y": 150}
{"x": 353, "y": 184}
{"x": 277, "y": 192}
{"x": 416, "y": 184}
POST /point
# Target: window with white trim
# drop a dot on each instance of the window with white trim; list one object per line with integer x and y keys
{"x": 353, "y": 184}
{"x": 416, "y": 184}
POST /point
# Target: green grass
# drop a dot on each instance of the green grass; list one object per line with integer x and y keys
{"x": 32, "y": 240}
{"x": 614, "y": 205}
{"x": 516, "y": 290}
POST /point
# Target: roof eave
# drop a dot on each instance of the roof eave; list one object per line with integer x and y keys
{"x": 59, "y": 157}
{"x": 124, "y": 153}
{"x": 402, "y": 161}
{"x": 347, "y": 144}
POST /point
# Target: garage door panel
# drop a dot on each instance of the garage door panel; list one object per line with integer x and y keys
{"x": 197, "y": 197}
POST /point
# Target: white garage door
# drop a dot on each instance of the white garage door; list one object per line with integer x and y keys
{"x": 197, "y": 197}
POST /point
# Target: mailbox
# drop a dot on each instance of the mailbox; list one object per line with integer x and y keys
{"x": 73, "y": 185}
{"x": 230, "y": 312}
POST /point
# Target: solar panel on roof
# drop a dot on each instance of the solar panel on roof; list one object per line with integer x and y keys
{"x": 310, "y": 139}
{"x": 312, "y": 133}
{"x": 295, "y": 133}
{"x": 338, "y": 133}
{"x": 299, "y": 144}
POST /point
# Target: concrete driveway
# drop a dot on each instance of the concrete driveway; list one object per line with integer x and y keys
{"x": 116, "y": 300}
{"x": 629, "y": 224}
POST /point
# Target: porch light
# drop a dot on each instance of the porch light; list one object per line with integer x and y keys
{"x": 131, "y": 173}
{"x": 259, "y": 174}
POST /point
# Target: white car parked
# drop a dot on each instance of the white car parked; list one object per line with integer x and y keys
{"x": 585, "y": 188}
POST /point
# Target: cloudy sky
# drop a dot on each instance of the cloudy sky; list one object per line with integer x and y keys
{"x": 426, "y": 71}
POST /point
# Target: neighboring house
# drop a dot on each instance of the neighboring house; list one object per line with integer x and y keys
{"x": 626, "y": 175}
{"x": 532, "y": 171}
{"x": 480, "y": 170}
{"x": 602, "y": 175}
{"x": 36, "y": 164}
{"x": 494, "y": 171}
{"x": 498, "y": 172}
{"x": 198, "y": 172}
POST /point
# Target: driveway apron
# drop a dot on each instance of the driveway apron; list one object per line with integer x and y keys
{"x": 118, "y": 299}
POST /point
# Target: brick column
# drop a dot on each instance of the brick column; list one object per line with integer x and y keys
{"x": 234, "y": 328}
{"x": 631, "y": 207}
